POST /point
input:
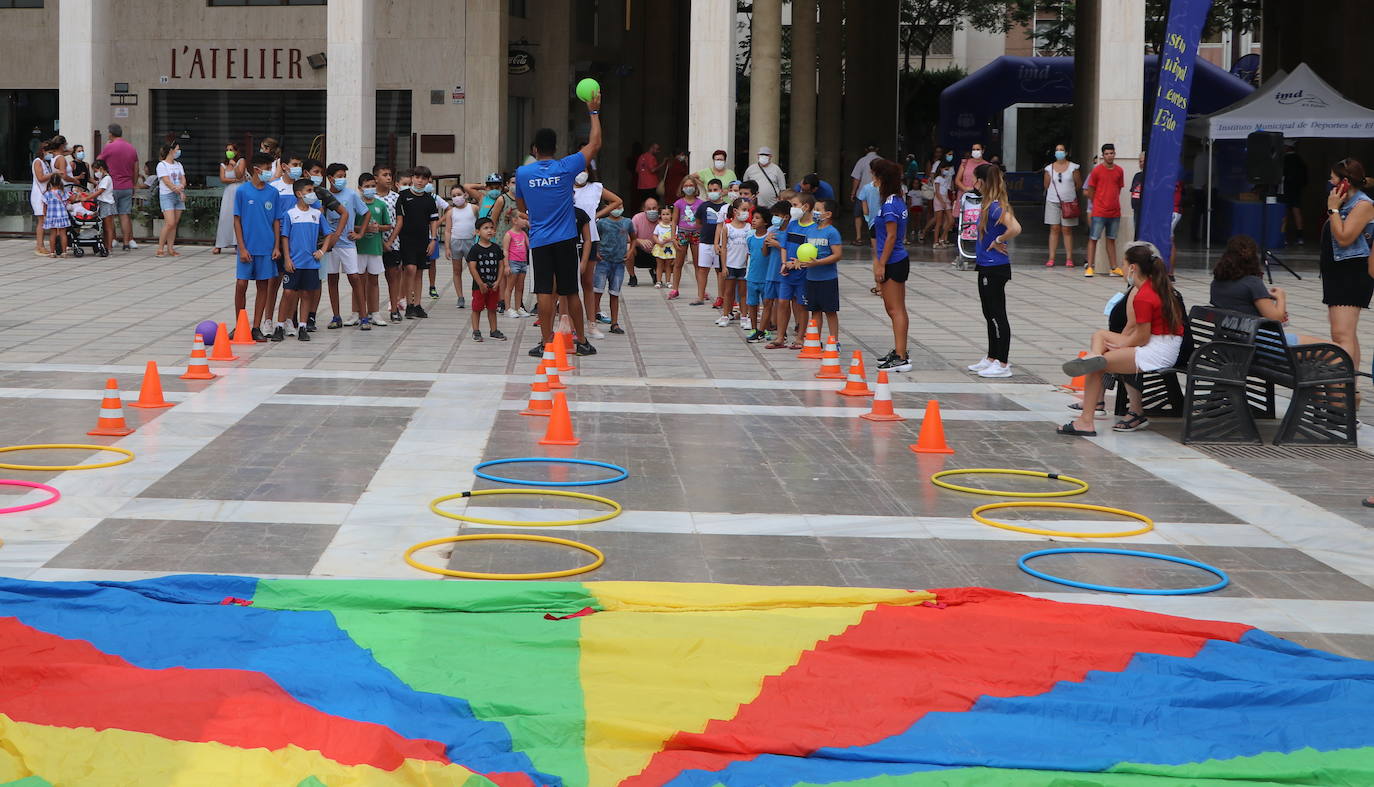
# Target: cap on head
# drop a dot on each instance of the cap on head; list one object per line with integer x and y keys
{"x": 765, "y": 151}
{"x": 494, "y": 179}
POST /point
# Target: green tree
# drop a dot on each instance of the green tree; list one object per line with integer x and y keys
{"x": 922, "y": 21}
{"x": 1057, "y": 35}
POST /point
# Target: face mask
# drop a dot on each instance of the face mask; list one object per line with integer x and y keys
{"x": 294, "y": 172}
{"x": 734, "y": 195}
{"x": 48, "y": 157}
{"x": 310, "y": 198}
{"x": 652, "y": 215}
{"x": 1060, "y": 155}
{"x": 949, "y": 157}
{"x": 493, "y": 193}
{"x": 720, "y": 163}
{"x": 175, "y": 154}
{"x": 581, "y": 179}
{"x": 689, "y": 190}
{"x": 777, "y": 221}
{"x": 742, "y": 215}
{"x": 340, "y": 184}
{"x": 714, "y": 196}
{"x": 317, "y": 179}
{"x": 458, "y": 200}
{"x": 763, "y": 160}
{"x": 82, "y": 155}
{"x": 818, "y": 215}
{"x": 681, "y": 158}
{"x": 264, "y": 174}
{"x": 976, "y": 153}
{"x": 796, "y": 213}
{"x": 429, "y": 188}
{"x": 417, "y": 188}
{"x": 369, "y": 191}
{"x": 618, "y": 212}
{"x": 229, "y": 154}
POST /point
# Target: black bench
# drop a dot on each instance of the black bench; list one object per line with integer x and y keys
{"x": 1238, "y": 362}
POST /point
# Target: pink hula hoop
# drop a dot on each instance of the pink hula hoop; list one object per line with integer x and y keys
{"x": 56, "y": 495}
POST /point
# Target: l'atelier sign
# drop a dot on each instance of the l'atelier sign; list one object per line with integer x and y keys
{"x": 259, "y": 63}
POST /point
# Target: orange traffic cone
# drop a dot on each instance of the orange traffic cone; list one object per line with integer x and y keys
{"x": 932, "y": 437}
{"x": 830, "y": 362}
{"x": 243, "y": 332}
{"x": 150, "y": 394}
{"x": 111, "y": 420}
{"x": 562, "y": 346}
{"x": 551, "y": 377}
{"x": 1076, "y": 384}
{"x": 222, "y": 342}
{"x": 811, "y": 348}
{"x": 882, "y": 403}
{"x": 857, "y": 384}
{"x": 560, "y": 424}
{"x": 541, "y": 401}
{"x": 198, "y": 368}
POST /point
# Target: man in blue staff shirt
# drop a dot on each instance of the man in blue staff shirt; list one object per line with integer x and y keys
{"x": 544, "y": 191}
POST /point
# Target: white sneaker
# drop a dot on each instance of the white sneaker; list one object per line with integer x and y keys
{"x": 521, "y": 312}
{"x": 722, "y": 321}
{"x": 980, "y": 366}
{"x": 133, "y": 244}
{"x": 746, "y": 324}
{"x": 996, "y": 369}
{"x": 267, "y": 325}
{"x": 290, "y": 326}
{"x": 379, "y": 319}
{"x": 596, "y": 333}
{"x": 658, "y": 285}
{"x": 351, "y": 321}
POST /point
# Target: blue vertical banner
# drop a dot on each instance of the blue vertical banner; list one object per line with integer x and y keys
{"x": 1162, "y": 164}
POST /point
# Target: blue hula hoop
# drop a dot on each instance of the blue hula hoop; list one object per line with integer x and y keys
{"x": 1021, "y": 563}
{"x": 477, "y": 471}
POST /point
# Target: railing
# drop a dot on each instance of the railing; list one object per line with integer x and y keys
{"x": 198, "y": 222}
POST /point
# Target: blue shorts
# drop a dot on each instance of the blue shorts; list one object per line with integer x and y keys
{"x": 792, "y": 290}
{"x": 823, "y": 296}
{"x": 260, "y": 267}
{"x": 610, "y": 274}
{"x": 770, "y": 291}
{"x": 171, "y": 202}
{"x": 304, "y": 279}
{"x": 756, "y": 293}
{"x": 1101, "y": 223}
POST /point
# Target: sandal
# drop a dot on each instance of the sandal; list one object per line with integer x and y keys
{"x": 776, "y": 345}
{"x": 1073, "y": 431}
{"x": 873, "y": 290}
{"x": 1368, "y": 502}
{"x": 795, "y": 346}
{"x": 1131, "y": 422}
{"x": 1100, "y": 413}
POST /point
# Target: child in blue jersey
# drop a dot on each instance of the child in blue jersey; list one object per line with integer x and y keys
{"x": 792, "y": 289}
{"x": 822, "y": 277}
{"x": 762, "y": 259}
{"x": 302, "y": 226}
{"x": 256, "y": 211}
{"x": 777, "y": 332}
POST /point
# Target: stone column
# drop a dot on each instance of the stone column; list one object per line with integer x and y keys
{"x": 856, "y": 123}
{"x": 83, "y": 83}
{"x": 880, "y": 77}
{"x": 484, "y": 78}
{"x": 829, "y": 64}
{"x": 351, "y": 120}
{"x": 711, "y": 80}
{"x": 1112, "y": 97}
{"x": 802, "y": 153}
{"x": 765, "y": 76}
{"x": 553, "y": 92}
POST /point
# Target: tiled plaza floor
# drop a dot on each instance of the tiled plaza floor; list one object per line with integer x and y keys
{"x": 320, "y": 459}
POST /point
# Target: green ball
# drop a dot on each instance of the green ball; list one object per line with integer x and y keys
{"x": 587, "y": 88}
{"x": 806, "y": 252}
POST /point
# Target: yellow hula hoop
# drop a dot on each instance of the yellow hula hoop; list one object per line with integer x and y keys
{"x": 977, "y": 515}
{"x": 448, "y": 572}
{"x": 1082, "y": 485}
{"x": 128, "y": 456}
{"x": 615, "y": 512}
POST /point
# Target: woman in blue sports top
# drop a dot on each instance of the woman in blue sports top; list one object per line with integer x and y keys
{"x": 891, "y": 265}
{"x": 997, "y": 224}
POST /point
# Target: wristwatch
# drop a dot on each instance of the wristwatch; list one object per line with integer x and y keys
{"x": 1331, "y": 211}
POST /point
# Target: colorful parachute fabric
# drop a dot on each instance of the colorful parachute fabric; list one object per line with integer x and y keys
{"x": 207, "y": 680}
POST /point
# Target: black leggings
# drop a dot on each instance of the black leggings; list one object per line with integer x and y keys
{"x": 992, "y": 293}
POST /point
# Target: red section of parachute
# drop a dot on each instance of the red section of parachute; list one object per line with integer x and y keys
{"x": 858, "y": 687}
{"x": 69, "y": 683}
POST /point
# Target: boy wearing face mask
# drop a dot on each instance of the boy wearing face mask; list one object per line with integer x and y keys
{"x": 314, "y": 171}
{"x": 791, "y": 302}
{"x": 587, "y": 197}
{"x": 289, "y": 171}
{"x": 347, "y": 224}
{"x": 614, "y": 248}
{"x": 302, "y": 226}
{"x": 775, "y": 331}
{"x": 370, "y": 264}
{"x": 822, "y": 277}
{"x": 257, "y": 217}
{"x": 417, "y": 223}
{"x": 762, "y": 259}
{"x": 714, "y": 212}
{"x": 461, "y": 222}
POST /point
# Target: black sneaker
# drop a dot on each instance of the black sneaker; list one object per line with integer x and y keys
{"x": 634, "y": 280}
{"x": 420, "y": 311}
{"x": 615, "y": 328}
{"x": 396, "y": 316}
{"x": 365, "y": 324}
{"x": 496, "y": 334}
{"x": 433, "y": 294}
{"x": 890, "y": 355}
{"x": 303, "y": 334}
{"x": 410, "y": 312}
{"x": 277, "y": 335}
{"x": 500, "y": 307}
{"x": 477, "y": 336}
{"x": 895, "y": 364}
{"x": 584, "y": 348}
{"x": 755, "y": 337}
{"x": 537, "y": 351}
{"x": 310, "y": 324}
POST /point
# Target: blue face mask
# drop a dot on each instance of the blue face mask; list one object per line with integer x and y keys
{"x": 949, "y": 157}
{"x": 310, "y": 198}
{"x": 175, "y": 155}
{"x": 817, "y": 215}
{"x": 369, "y": 191}
{"x": 294, "y": 172}
{"x": 317, "y": 179}
{"x": 81, "y": 156}
{"x": 340, "y": 183}
{"x": 777, "y": 222}
{"x": 429, "y": 188}
{"x": 1060, "y": 155}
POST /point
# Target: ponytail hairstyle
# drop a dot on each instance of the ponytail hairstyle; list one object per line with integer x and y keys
{"x": 888, "y": 177}
{"x": 740, "y": 203}
{"x": 994, "y": 189}
{"x": 1146, "y": 259}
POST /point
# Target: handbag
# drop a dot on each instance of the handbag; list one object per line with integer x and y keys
{"x": 1068, "y": 210}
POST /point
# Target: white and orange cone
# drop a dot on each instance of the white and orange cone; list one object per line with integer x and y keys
{"x": 541, "y": 401}
{"x": 830, "y": 362}
{"x": 882, "y": 403}
{"x": 111, "y": 421}
{"x": 857, "y": 384}
{"x": 198, "y": 368}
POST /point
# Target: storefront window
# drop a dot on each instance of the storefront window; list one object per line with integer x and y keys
{"x": 267, "y": 2}
{"x": 393, "y": 130}
{"x": 26, "y": 118}
{"x": 204, "y": 120}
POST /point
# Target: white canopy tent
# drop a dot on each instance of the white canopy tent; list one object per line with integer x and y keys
{"x": 1299, "y": 104}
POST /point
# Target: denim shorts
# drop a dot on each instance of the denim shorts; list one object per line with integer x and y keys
{"x": 172, "y": 202}
{"x": 756, "y": 293}
{"x": 123, "y": 202}
{"x": 610, "y": 275}
{"x": 518, "y": 266}
{"x": 1101, "y": 223}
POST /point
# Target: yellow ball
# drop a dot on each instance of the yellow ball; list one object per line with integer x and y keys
{"x": 806, "y": 252}
{"x": 587, "y": 88}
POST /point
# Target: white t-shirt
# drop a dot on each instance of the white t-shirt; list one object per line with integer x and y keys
{"x": 1061, "y": 184}
{"x": 106, "y": 185}
{"x": 861, "y": 170}
{"x": 588, "y": 198}
{"x": 463, "y": 225}
{"x": 737, "y": 245}
{"x": 173, "y": 172}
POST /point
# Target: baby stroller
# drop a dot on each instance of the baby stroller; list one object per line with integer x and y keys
{"x": 85, "y": 231}
{"x": 970, "y": 208}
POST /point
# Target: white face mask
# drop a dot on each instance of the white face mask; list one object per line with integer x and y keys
{"x": 581, "y": 179}
{"x": 796, "y": 213}
{"x": 720, "y": 163}
{"x": 734, "y": 195}
{"x": 713, "y": 196}
{"x": 742, "y": 214}
{"x": 763, "y": 160}
{"x": 689, "y": 190}
{"x": 976, "y": 153}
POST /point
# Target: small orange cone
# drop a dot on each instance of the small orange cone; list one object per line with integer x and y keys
{"x": 562, "y": 345}
{"x": 541, "y": 401}
{"x": 1076, "y": 384}
{"x": 222, "y": 342}
{"x": 551, "y": 377}
{"x": 243, "y": 332}
{"x": 882, "y": 403}
{"x": 811, "y": 348}
{"x": 111, "y": 420}
{"x": 932, "y": 437}
{"x": 830, "y": 362}
{"x": 560, "y": 424}
{"x": 857, "y": 384}
{"x": 150, "y": 394}
{"x": 198, "y": 368}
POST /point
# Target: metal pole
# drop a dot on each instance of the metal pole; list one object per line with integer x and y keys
{"x": 1208, "y": 186}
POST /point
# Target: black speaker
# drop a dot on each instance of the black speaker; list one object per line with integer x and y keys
{"x": 1264, "y": 158}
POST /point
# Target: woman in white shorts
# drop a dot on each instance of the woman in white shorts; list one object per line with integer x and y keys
{"x": 1062, "y": 181}
{"x": 1151, "y": 340}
